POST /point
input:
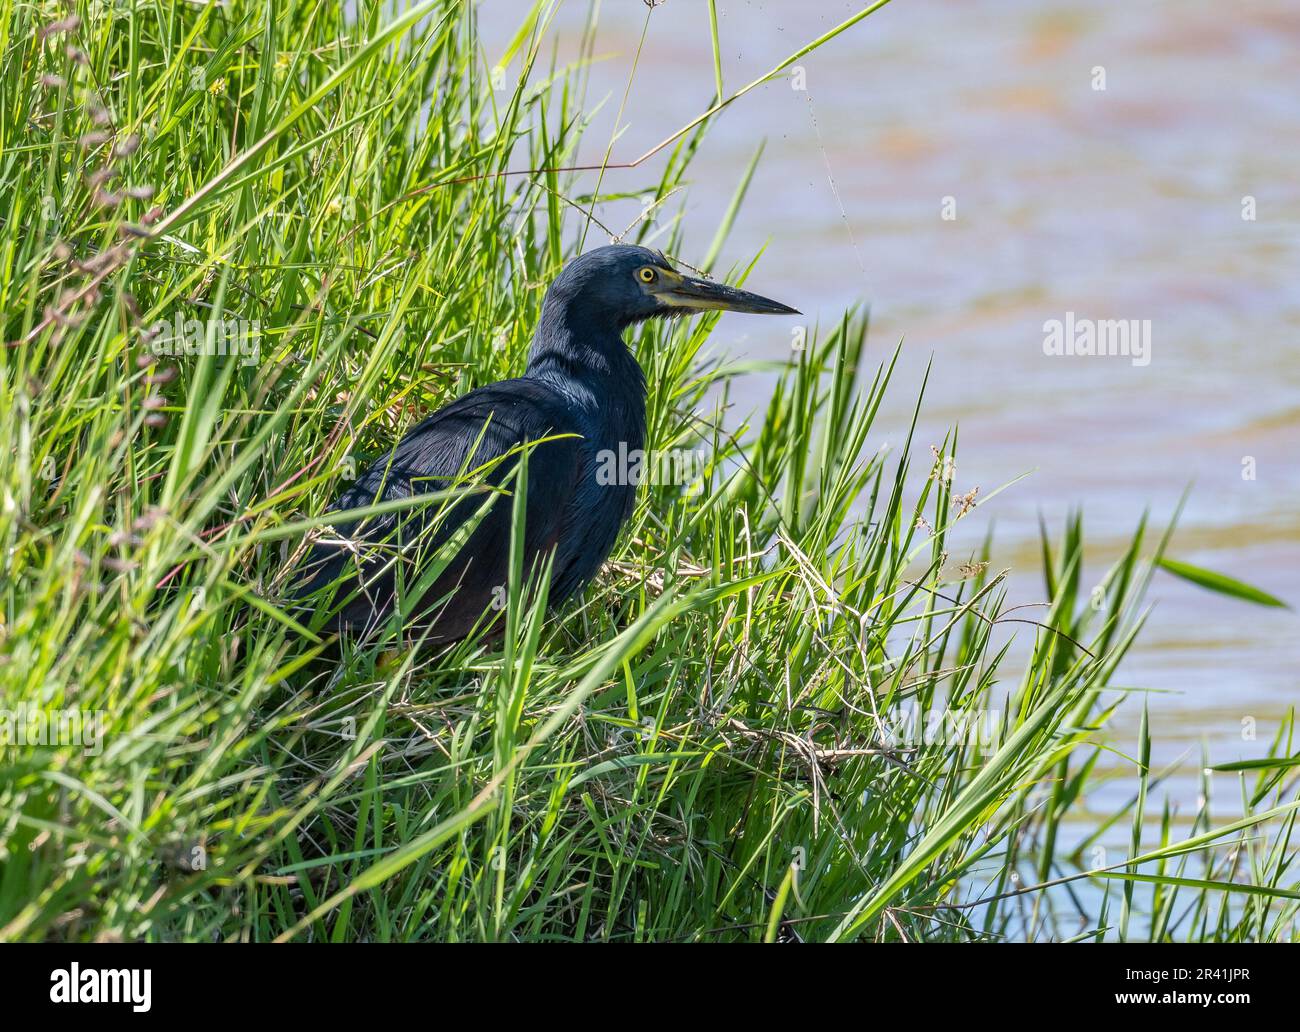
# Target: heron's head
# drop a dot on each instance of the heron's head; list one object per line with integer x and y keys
{"x": 624, "y": 284}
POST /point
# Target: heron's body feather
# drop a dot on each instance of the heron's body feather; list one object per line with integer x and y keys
{"x": 583, "y": 397}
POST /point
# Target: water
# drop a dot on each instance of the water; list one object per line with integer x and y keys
{"x": 1122, "y": 203}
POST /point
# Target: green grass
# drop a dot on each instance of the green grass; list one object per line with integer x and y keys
{"x": 704, "y": 746}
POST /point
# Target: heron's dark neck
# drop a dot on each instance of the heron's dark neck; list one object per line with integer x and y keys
{"x": 583, "y": 354}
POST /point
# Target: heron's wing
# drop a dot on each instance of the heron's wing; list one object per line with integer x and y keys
{"x": 464, "y": 438}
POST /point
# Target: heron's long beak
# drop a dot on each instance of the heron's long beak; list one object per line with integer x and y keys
{"x": 689, "y": 292}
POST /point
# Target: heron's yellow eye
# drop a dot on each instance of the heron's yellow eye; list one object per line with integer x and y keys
{"x": 646, "y": 274}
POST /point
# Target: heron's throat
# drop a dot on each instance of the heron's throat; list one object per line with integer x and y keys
{"x": 584, "y": 354}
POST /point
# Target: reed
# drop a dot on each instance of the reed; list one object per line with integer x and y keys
{"x": 731, "y": 735}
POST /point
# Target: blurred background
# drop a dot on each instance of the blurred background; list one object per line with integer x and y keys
{"x": 1122, "y": 202}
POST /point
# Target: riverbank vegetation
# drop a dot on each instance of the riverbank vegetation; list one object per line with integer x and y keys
{"x": 246, "y": 245}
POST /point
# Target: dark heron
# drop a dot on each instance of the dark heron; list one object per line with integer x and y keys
{"x": 582, "y": 395}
